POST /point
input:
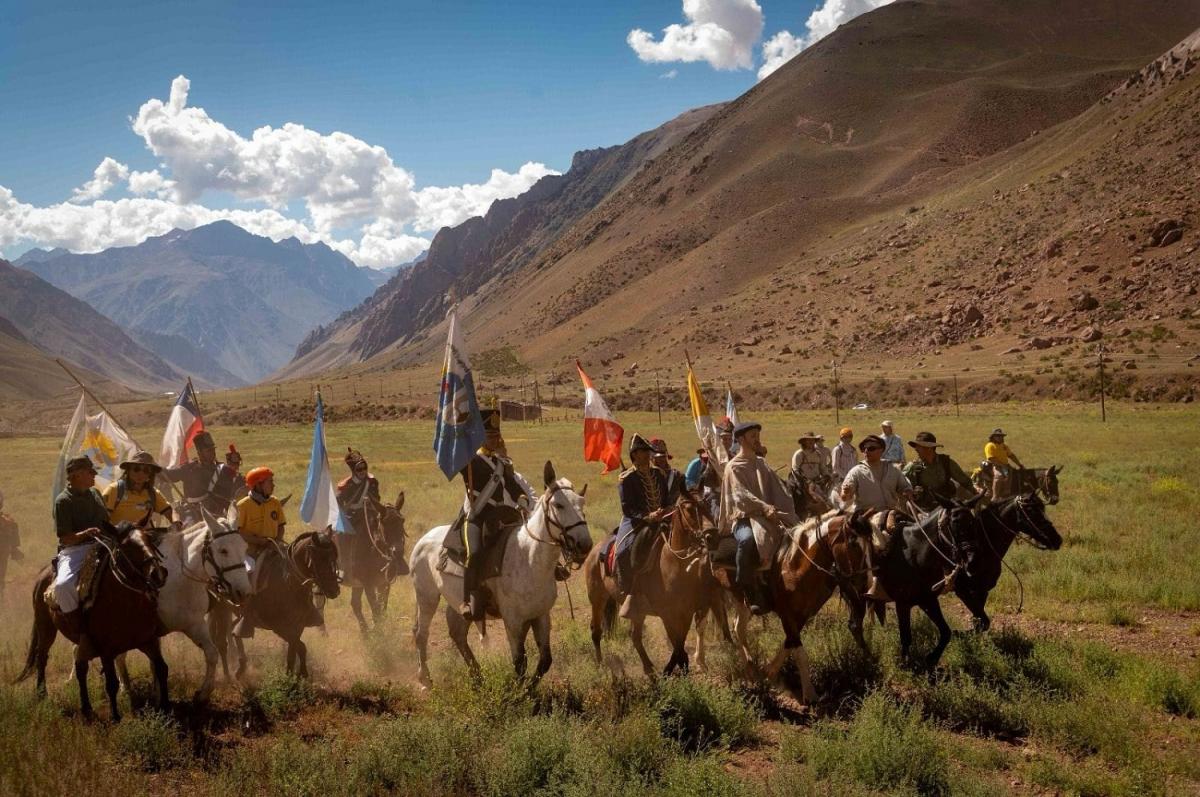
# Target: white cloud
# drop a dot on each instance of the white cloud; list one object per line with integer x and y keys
{"x": 341, "y": 181}
{"x": 445, "y": 207}
{"x": 104, "y": 179}
{"x": 670, "y": 74}
{"x": 824, "y": 20}
{"x": 720, "y": 32}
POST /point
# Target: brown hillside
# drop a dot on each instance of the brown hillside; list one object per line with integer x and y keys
{"x": 935, "y": 185}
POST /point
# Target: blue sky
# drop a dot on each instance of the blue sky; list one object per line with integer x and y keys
{"x": 451, "y": 91}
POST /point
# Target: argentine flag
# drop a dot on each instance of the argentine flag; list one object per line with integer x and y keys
{"x": 459, "y": 430}
{"x": 319, "y": 508}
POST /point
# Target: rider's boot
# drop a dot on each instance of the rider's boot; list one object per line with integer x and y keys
{"x": 470, "y": 608}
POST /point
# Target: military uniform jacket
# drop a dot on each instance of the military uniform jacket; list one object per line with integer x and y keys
{"x": 228, "y": 487}
{"x": 675, "y": 482}
{"x": 353, "y": 497}
{"x": 502, "y": 505}
{"x": 640, "y": 495}
{"x": 79, "y": 511}
{"x": 939, "y": 479}
{"x": 198, "y": 479}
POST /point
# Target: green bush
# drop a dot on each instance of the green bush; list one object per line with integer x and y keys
{"x": 688, "y": 777}
{"x": 887, "y": 746}
{"x": 149, "y": 742}
{"x": 635, "y": 750}
{"x": 963, "y": 704}
{"x": 495, "y": 697}
{"x": 535, "y": 756}
{"x": 417, "y": 756}
{"x": 281, "y": 695}
{"x": 699, "y": 715}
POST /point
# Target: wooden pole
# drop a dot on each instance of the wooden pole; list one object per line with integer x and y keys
{"x": 956, "y": 412}
{"x": 1100, "y": 364}
{"x": 194, "y": 393}
{"x": 658, "y": 397}
{"x": 837, "y": 399}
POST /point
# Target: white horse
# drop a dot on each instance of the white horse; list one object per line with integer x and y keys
{"x": 209, "y": 556}
{"x": 526, "y": 590}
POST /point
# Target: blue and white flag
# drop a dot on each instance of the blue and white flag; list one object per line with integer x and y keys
{"x": 319, "y": 507}
{"x": 459, "y": 429}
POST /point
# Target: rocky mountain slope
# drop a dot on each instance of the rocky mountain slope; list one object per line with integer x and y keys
{"x": 512, "y": 234}
{"x": 242, "y": 299}
{"x": 43, "y": 322}
{"x": 944, "y": 184}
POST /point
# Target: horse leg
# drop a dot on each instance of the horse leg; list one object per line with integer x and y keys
{"x": 541, "y": 635}
{"x": 858, "y": 611}
{"x": 516, "y": 645}
{"x": 677, "y": 631}
{"x": 975, "y": 602}
{"x": 356, "y": 595}
{"x": 933, "y": 610}
{"x": 373, "y": 603}
{"x": 302, "y": 655}
{"x": 904, "y": 624}
{"x": 426, "y": 605}
{"x": 241, "y": 657}
{"x": 741, "y": 621}
{"x": 158, "y": 666}
{"x": 199, "y": 635}
{"x": 457, "y": 626}
{"x": 800, "y": 657}
{"x": 700, "y": 621}
{"x": 599, "y": 603}
{"x": 81, "y": 673}
{"x": 218, "y": 633}
{"x": 112, "y": 685}
{"x": 637, "y": 624}
{"x": 123, "y": 676}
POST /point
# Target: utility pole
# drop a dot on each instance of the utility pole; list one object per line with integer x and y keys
{"x": 1100, "y": 365}
{"x": 658, "y": 396}
{"x": 956, "y": 412}
{"x": 837, "y": 400}
{"x": 537, "y": 400}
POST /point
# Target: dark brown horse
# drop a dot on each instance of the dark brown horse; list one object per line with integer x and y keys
{"x": 677, "y": 586}
{"x": 124, "y": 616}
{"x": 284, "y": 602}
{"x": 808, "y": 497}
{"x": 377, "y": 560}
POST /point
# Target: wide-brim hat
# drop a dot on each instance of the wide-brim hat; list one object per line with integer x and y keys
{"x": 639, "y": 443}
{"x": 79, "y": 463}
{"x": 744, "y": 427}
{"x": 810, "y": 436}
{"x": 491, "y": 421}
{"x": 144, "y": 458}
{"x": 871, "y": 438}
{"x": 888, "y": 424}
{"x": 924, "y": 440}
{"x": 997, "y": 432}
{"x": 660, "y": 447}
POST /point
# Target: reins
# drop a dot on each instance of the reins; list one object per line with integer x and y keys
{"x": 118, "y": 556}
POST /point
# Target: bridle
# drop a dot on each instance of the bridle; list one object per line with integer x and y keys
{"x": 697, "y": 549}
{"x": 842, "y": 579}
{"x": 216, "y": 579}
{"x": 562, "y": 539}
{"x": 289, "y": 552}
{"x": 120, "y": 559}
{"x": 1017, "y": 533}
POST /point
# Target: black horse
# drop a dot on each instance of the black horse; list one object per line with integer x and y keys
{"x": 956, "y": 535}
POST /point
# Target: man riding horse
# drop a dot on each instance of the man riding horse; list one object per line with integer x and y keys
{"x": 261, "y": 521}
{"x": 642, "y": 490}
{"x": 207, "y": 483}
{"x": 496, "y": 499}
{"x": 133, "y": 498}
{"x": 877, "y": 484}
{"x": 755, "y": 509}
{"x": 998, "y": 455}
{"x": 358, "y": 498}
{"x": 935, "y": 477}
{"x": 79, "y": 516}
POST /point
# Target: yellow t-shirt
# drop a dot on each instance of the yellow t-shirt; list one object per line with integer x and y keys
{"x": 132, "y": 506}
{"x": 996, "y": 453}
{"x": 261, "y": 520}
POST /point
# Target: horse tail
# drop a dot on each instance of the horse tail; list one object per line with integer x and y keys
{"x": 41, "y": 615}
{"x": 610, "y": 614}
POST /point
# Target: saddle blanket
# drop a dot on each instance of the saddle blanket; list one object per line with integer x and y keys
{"x": 83, "y": 566}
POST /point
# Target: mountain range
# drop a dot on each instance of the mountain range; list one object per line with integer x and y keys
{"x": 217, "y": 299}
{"x": 944, "y": 181}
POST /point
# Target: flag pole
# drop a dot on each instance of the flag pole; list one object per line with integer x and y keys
{"x": 196, "y": 396}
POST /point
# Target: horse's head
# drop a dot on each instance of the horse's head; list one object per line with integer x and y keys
{"x": 1025, "y": 515}
{"x": 225, "y": 557}
{"x": 566, "y": 520}
{"x": 317, "y": 557}
{"x": 693, "y": 518}
{"x": 142, "y": 558}
{"x": 395, "y": 535}
{"x": 959, "y": 517}
{"x": 1048, "y": 484}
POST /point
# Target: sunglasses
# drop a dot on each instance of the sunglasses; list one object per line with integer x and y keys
{"x": 138, "y": 469}
{"x": 872, "y": 448}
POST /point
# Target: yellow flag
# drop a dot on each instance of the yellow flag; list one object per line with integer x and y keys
{"x": 704, "y": 425}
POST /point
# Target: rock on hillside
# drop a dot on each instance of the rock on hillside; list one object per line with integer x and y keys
{"x": 242, "y": 299}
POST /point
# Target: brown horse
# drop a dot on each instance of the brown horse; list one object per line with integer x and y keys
{"x": 284, "y": 602}
{"x": 677, "y": 586}
{"x": 378, "y": 558}
{"x": 821, "y": 555}
{"x": 123, "y": 617}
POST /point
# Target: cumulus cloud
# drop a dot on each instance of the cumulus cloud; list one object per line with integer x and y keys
{"x": 106, "y": 177}
{"x": 824, "y": 20}
{"x": 720, "y": 32}
{"x": 342, "y": 182}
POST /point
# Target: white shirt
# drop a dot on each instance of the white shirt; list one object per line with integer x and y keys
{"x": 845, "y": 457}
{"x": 878, "y": 487}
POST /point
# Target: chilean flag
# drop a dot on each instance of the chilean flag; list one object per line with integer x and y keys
{"x": 602, "y": 435}
{"x": 182, "y": 427}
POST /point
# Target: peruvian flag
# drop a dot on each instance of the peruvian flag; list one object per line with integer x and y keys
{"x": 182, "y": 427}
{"x": 602, "y": 435}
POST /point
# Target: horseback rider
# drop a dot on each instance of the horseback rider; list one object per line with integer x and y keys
{"x": 497, "y": 498}
{"x": 261, "y": 521}
{"x": 810, "y": 461}
{"x": 354, "y": 493}
{"x": 199, "y": 477}
{"x": 230, "y": 485}
{"x": 79, "y": 516}
{"x": 661, "y": 460}
{"x": 642, "y": 490}
{"x": 10, "y": 543}
{"x": 998, "y": 455}
{"x": 751, "y": 494}
{"x": 934, "y": 476}
{"x": 893, "y": 444}
{"x": 844, "y": 456}
{"x": 133, "y": 497}
{"x": 878, "y": 484}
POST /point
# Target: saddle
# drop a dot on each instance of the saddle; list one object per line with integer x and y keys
{"x": 884, "y": 526}
{"x": 91, "y": 576}
{"x": 608, "y": 555}
{"x": 453, "y": 556}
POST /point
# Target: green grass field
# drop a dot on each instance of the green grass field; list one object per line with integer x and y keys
{"x": 1093, "y": 689}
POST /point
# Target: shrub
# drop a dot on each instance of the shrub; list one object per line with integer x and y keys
{"x": 495, "y": 697}
{"x": 887, "y": 746}
{"x": 282, "y": 695}
{"x": 150, "y": 742}
{"x": 534, "y": 756}
{"x": 418, "y": 756}
{"x": 699, "y": 715}
{"x": 701, "y": 776}
{"x": 962, "y": 703}
{"x": 636, "y": 751}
